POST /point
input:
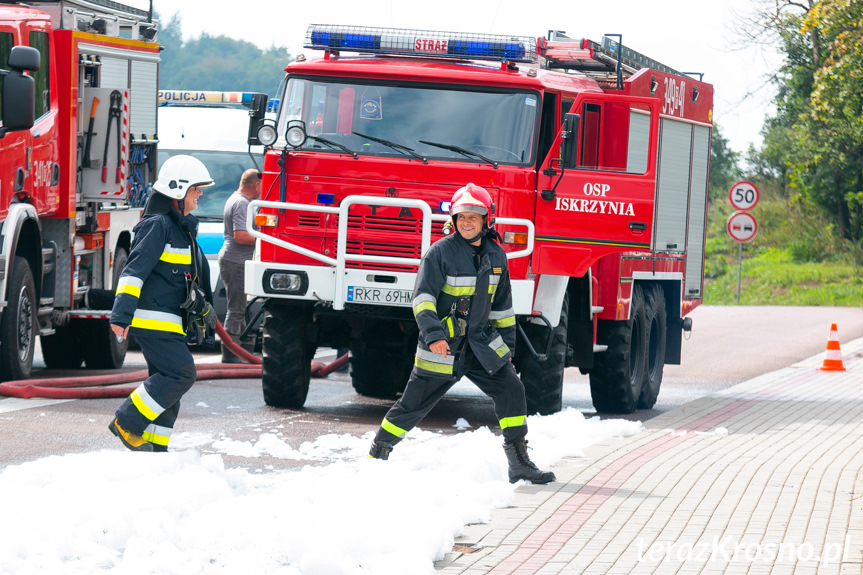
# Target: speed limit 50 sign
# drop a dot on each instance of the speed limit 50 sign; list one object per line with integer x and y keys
{"x": 743, "y": 195}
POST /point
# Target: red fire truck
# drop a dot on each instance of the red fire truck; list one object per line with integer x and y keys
{"x": 596, "y": 158}
{"x": 77, "y": 157}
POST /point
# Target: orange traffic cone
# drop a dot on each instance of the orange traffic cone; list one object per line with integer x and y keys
{"x": 833, "y": 355}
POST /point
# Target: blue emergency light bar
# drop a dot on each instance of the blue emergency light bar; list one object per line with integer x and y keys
{"x": 464, "y": 46}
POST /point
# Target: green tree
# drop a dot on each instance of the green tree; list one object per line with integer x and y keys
{"x": 836, "y": 106}
{"x": 814, "y": 144}
{"x": 218, "y": 63}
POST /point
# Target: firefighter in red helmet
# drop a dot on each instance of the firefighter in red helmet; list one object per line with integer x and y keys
{"x": 463, "y": 306}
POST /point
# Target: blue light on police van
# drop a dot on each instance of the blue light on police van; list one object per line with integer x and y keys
{"x": 445, "y": 207}
{"x": 326, "y": 199}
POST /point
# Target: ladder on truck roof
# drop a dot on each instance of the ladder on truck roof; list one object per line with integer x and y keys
{"x": 104, "y": 17}
{"x": 608, "y": 61}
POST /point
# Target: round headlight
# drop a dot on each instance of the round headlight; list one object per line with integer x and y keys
{"x": 296, "y": 136}
{"x": 267, "y": 135}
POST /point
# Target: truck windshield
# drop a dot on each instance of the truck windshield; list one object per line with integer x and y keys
{"x": 456, "y": 123}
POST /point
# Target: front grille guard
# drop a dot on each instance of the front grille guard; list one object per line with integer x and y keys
{"x": 342, "y": 256}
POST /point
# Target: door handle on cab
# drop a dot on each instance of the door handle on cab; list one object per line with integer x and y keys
{"x": 637, "y": 226}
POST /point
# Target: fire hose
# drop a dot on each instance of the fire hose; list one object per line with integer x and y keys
{"x": 95, "y": 386}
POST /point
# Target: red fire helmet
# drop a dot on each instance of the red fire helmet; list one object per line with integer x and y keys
{"x": 472, "y": 198}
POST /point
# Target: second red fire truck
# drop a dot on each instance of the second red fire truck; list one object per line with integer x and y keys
{"x": 77, "y": 158}
{"x": 597, "y": 161}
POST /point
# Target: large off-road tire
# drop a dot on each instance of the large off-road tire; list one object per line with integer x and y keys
{"x": 102, "y": 351}
{"x": 19, "y": 324}
{"x": 543, "y": 380}
{"x": 62, "y": 349}
{"x": 382, "y": 365}
{"x": 655, "y": 315}
{"x": 287, "y": 355}
{"x": 618, "y": 373}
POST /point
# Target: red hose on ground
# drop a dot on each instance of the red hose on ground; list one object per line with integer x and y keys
{"x": 88, "y": 386}
{"x": 320, "y": 369}
{"x": 235, "y": 349}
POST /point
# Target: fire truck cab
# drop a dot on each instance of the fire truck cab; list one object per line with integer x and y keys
{"x": 597, "y": 161}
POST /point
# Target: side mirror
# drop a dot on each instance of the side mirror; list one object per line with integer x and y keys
{"x": 257, "y": 113}
{"x": 19, "y": 90}
{"x": 569, "y": 141}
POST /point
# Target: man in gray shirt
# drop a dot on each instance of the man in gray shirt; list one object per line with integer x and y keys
{"x": 239, "y": 246}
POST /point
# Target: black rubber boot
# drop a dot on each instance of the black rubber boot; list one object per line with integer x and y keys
{"x": 380, "y": 450}
{"x": 521, "y": 467}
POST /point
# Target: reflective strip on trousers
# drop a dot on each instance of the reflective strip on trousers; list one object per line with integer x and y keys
{"x": 514, "y": 421}
{"x": 394, "y": 429}
{"x": 434, "y": 362}
{"x": 174, "y": 255}
{"x": 157, "y": 434}
{"x": 130, "y": 285}
{"x": 148, "y": 406}
{"x": 158, "y": 321}
{"x": 499, "y": 347}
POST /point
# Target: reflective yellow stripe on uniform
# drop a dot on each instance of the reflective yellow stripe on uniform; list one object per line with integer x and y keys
{"x": 158, "y": 321}
{"x": 499, "y": 347}
{"x": 424, "y": 302}
{"x": 433, "y": 362}
{"x": 394, "y": 429}
{"x": 130, "y": 285}
{"x": 514, "y": 421}
{"x": 148, "y": 406}
{"x": 157, "y": 434}
{"x": 174, "y": 255}
{"x": 493, "y": 281}
{"x": 459, "y": 285}
{"x": 450, "y": 332}
{"x": 504, "y": 318}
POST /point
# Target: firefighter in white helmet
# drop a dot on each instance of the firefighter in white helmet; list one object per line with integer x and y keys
{"x": 462, "y": 303}
{"x": 163, "y": 298}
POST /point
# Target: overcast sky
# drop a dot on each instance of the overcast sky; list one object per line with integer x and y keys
{"x": 691, "y": 36}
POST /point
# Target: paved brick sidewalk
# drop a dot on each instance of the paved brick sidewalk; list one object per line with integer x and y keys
{"x": 763, "y": 477}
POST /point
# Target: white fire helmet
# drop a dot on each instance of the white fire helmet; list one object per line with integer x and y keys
{"x": 179, "y": 173}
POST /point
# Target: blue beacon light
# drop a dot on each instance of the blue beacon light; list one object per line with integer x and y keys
{"x": 495, "y": 47}
{"x": 326, "y": 199}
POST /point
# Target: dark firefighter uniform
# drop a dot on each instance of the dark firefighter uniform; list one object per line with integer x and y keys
{"x": 151, "y": 288}
{"x": 463, "y": 295}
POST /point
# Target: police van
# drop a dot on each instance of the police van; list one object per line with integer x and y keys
{"x": 213, "y": 127}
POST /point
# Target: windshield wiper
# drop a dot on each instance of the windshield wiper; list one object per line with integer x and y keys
{"x": 458, "y": 149}
{"x": 393, "y": 145}
{"x": 332, "y": 144}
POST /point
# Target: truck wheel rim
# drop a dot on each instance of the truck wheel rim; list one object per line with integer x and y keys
{"x": 25, "y": 324}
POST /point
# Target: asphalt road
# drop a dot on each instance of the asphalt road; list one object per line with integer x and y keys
{"x": 727, "y": 345}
